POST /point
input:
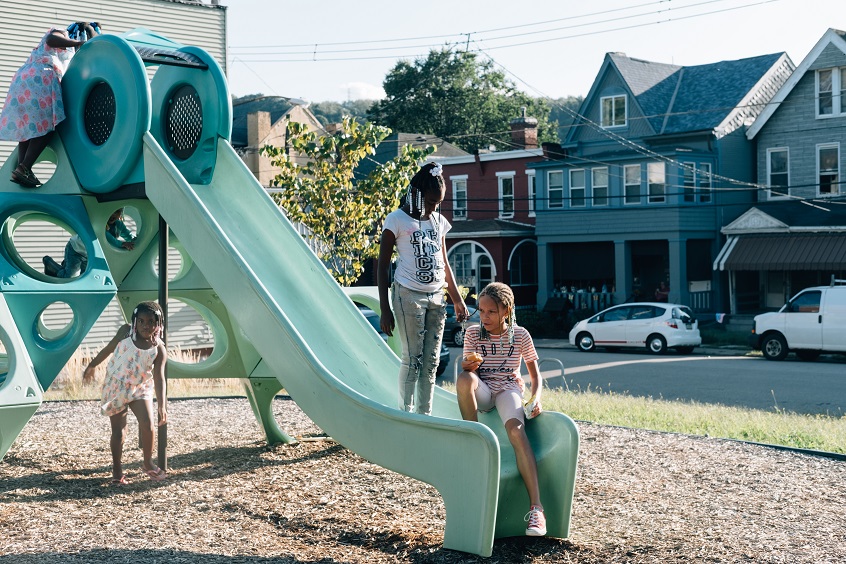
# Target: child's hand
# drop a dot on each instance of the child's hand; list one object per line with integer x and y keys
{"x": 128, "y": 245}
{"x": 471, "y": 362}
{"x": 162, "y": 415}
{"x": 88, "y": 374}
{"x": 386, "y": 321}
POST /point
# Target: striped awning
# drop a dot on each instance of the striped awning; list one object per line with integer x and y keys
{"x": 783, "y": 251}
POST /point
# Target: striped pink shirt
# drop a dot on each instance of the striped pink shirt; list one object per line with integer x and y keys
{"x": 500, "y": 368}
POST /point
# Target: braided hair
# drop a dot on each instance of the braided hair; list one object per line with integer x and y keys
{"x": 153, "y": 308}
{"x": 501, "y": 294}
{"x": 427, "y": 179}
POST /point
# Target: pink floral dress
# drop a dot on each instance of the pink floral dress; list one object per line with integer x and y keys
{"x": 129, "y": 377}
{"x": 34, "y": 103}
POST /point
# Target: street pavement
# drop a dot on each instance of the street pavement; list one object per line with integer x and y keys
{"x": 711, "y": 350}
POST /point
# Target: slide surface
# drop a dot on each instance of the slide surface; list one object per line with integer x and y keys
{"x": 339, "y": 371}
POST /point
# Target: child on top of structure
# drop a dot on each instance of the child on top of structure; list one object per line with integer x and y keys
{"x": 76, "y": 256}
{"x": 491, "y": 379}
{"x": 133, "y": 374}
{"x": 417, "y": 231}
{"x": 34, "y": 105}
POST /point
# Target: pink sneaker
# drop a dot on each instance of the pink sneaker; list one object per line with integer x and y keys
{"x": 537, "y": 522}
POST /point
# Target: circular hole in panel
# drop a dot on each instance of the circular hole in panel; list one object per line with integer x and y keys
{"x": 4, "y": 357}
{"x": 99, "y": 113}
{"x": 38, "y": 245}
{"x": 190, "y": 335}
{"x": 175, "y": 263}
{"x": 183, "y": 121}
{"x": 55, "y": 321}
{"x": 122, "y": 224}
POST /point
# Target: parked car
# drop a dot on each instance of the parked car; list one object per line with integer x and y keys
{"x": 453, "y": 332}
{"x": 656, "y": 326}
{"x": 812, "y": 322}
{"x": 373, "y": 318}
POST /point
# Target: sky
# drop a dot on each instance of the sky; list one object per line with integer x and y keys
{"x": 337, "y": 50}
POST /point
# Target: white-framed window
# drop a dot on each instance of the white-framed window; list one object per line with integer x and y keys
{"x": 530, "y": 176}
{"x": 704, "y": 182}
{"x": 599, "y": 186}
{"x": 631, "y": 184}
{"x": 613, "y": 111}
{"x": 655, "y": 178}
{"x": 696, "y": 182}
{"x": 577, "y": 188}
{"x": 778, "y": 172}
{"x": 831, "y": 92}
{"x": 459, "y": 196}
{"x": 688, "y": 174}
{"x": 828, "y": 169}
{"x": 555, "y": 188}
{"x": 506, "y": 194}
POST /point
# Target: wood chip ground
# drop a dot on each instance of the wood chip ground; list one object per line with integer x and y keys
{"x": 640, "y": 497}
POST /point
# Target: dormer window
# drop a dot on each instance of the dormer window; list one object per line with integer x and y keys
{"x": 831, "y": 92}
{"x": 613, "y": 111}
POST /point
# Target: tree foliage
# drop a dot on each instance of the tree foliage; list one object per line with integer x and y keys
{"x": 457, "y": 97}
{"x": 334, "y": 112}
{"x": 343, "y": 213}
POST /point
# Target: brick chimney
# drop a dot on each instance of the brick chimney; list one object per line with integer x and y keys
{"x": 258, "y": 128}
{"x": 524, "y": 132}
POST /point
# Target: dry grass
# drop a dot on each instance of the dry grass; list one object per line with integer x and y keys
{"x": 641, "y": 497}
{"x": 69, "y": 386}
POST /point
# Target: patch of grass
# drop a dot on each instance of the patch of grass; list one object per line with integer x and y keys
{"x": 69, "y": 386}
{"x": 776, "y": 427}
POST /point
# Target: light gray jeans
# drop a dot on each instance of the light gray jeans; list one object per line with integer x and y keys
{"x": 420, "y": 318}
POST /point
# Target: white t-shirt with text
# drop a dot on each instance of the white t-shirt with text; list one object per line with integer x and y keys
{"x": 420, "y": 263}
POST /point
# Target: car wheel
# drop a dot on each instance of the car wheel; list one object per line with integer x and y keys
{"x": 585, "y": 342}
{"x": 685, "y": 350}
{"x": 810, "y": 356}
{"x": 656, "y": 344}
{"x": 458, "y": 337}
{"x": 774, "y": 347}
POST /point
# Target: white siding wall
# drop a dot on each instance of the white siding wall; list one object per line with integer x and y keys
{"x": 25, "y": 22}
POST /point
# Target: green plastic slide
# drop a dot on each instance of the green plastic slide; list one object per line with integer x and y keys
{"x": 339, "y": 371}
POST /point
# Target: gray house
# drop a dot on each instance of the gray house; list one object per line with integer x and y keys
{"x": 800, "y": 169}
{"x": 656, "y": 162}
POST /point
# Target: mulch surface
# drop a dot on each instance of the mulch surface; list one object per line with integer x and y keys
{"x": 641, "y": 496}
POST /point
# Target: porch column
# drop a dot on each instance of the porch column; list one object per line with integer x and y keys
{"x": 544, "y": 273}
{"x": 622, "y": 271}
{"x": 679, "y": 292}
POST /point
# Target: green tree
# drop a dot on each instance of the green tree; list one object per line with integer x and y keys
{"x": 343, "y": 213}
{"x": 457, "y": 97}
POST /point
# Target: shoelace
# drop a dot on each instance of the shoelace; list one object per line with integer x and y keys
{"x": 533, "y": 517}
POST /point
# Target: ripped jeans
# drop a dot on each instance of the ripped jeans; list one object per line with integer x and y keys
{"x": 420, "y": 318}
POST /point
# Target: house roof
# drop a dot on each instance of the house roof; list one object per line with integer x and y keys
{"x": 812, "y": 251}
{"x": 678, "y": 99}
{"x": 489, "y": 228}
{"x": 444, "y": 148}
{"x": 241, "y": 107}
{"x": 833, "y": 37}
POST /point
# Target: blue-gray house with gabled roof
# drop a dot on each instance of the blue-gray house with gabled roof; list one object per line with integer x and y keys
{"x": 655, "y": 163}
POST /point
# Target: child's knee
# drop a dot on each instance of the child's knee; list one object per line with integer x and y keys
{"x": 464, "y": 381}
{"x": 516, "y": 430}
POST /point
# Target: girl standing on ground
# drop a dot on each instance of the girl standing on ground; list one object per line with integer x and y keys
{"x": 491, "y": 379}
{"x": 132, "y": 375}
{"x": 34, "y": 105}
{"x": 417, "y": 230}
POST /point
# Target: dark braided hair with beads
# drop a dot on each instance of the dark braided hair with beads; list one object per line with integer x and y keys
{"x": 501, "y": 294}
{"x": 156, "y": 310}
{"x": 427, "y": 179}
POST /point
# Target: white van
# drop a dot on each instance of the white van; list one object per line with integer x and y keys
{"x": 812, "y": 322}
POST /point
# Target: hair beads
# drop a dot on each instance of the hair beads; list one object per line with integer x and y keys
{"x": 501, "y": 294}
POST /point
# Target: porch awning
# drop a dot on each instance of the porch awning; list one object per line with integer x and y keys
{"x": 783, "y": 251}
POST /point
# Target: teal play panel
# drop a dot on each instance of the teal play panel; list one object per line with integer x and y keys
{"x": 278, "y": 318}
